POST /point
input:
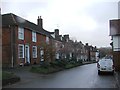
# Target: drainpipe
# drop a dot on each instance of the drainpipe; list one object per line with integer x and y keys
{"x": 12, "y": 65}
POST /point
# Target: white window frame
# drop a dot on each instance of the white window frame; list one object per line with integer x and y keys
{"x": 57, "y": 56}
{"x": 34, "y": 54}
{"x": 70, "y": 55}
{"x": 42, "y": 54}
{"x": 56, "y": 44}
{"x": 34, "y": 37}
{"x": 20, "y": 33}
{"x": 19, "y": 56}
{"x": 63, "y": 45}
{"x": 47, "y": 40}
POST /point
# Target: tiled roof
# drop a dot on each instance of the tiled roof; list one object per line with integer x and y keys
{"x": 12, "y": 19}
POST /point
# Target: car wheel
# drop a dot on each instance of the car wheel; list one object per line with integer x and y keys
{"x": 99, "y": 72}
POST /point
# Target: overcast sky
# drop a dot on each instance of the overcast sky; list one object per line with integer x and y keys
{"x": 83, "y": 20}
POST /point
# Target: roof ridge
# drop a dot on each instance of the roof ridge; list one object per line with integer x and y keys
{"x": 14, "y": 15}
{"x": 17, "y": 20}
{"x": 13, "y": 18}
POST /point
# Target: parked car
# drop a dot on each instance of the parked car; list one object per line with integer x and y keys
{"x": 105, "y": 65}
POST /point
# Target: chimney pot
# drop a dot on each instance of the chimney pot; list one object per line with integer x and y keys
{"x": 40, "y": 22}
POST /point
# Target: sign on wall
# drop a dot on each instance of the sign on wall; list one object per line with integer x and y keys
{"x": 114, "y": 27}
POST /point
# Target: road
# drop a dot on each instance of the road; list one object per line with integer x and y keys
{"x": 79, "y": 77}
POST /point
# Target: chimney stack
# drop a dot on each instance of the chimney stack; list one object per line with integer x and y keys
{"x": 56, "y": 33}
{"x": 66, "y": 37}
{"x": 40, "y": 22}
{"x": 86, "y": 44}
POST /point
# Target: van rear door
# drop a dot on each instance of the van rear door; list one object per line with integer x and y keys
{"x": 106, "y": 64}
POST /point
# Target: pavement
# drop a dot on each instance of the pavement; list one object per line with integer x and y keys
{"x": 117, "y": 78}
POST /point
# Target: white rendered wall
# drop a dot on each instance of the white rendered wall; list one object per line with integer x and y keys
{"x": 116, "y": 43}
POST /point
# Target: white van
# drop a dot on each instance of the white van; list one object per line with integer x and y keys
{"x": 105, "y": 65}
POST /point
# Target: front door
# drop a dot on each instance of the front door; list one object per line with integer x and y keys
{"x": 27, "y": 54}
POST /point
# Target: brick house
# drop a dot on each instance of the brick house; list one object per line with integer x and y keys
{"x": 23, "y": 42}
{"x": 93, "y": 52}
{"x": 59, "y": 45}
{"x": 63, "y": 45}
{"x": 87, "y": 52}
{"x": 90, "y": 53}
{"x": 115, "y": 37}
{"x": 78, "y": 51}
{"x": 67, "y": 49}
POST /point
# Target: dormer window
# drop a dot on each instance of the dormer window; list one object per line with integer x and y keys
{"x": 21, "y": 33}
{"x": 53, "y": 35}
{"x": 34, "y": 38}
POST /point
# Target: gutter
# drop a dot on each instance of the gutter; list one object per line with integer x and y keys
{"x": 13, "y": 51}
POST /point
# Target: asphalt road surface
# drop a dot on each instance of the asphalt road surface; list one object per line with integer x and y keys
{"x": 85, "y": 76}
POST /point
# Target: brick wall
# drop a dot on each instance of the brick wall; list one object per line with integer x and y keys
{"x": 28, "y": 41}
{"x": 6, "y": 47}
{"x": 116, "y": 59}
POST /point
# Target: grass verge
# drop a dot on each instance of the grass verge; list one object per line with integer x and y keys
{"x": 44, "y": 70}
{"x": 9, "y": 78}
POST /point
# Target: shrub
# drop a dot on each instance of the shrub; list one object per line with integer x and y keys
{"x": 69, "y": 66}
{"x": 45, "y": 65}
{"x": 54, "y": 64}
{"x": 80, "y": 61}
{"x": 62, "y": 63}
{"x": 39, "y": 69}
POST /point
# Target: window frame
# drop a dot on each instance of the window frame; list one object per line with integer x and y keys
{"x": 47, "y": 40}
{"x": 41, "y": 54}
{"x": 34, "y": 36}
{"x": 20, "y": 33}
{"x": 34, "y": 55}
{"x": 19, "y": 51}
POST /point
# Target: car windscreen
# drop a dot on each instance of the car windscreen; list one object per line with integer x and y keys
{"x": 106, "y": 62}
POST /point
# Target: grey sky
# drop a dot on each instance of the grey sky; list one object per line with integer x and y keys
{"x": 83, "y": 20}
